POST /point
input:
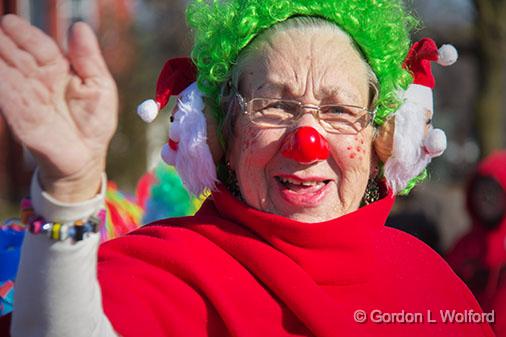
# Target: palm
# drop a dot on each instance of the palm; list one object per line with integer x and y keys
{"x": 64, "y": 109}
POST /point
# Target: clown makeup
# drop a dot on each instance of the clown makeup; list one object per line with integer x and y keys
{"x": 315, "y": 66}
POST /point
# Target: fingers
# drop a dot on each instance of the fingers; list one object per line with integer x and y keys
{"x": 31, "y": 39}
{"x": 15, "y": 57}
{"x": 8, "y": 102}
{"x": 9, "y": 79}
{"x": 84, "y": 52}
{"x": 14, "y": 88}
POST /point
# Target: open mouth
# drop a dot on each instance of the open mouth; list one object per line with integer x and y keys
{"x": 297, "y": 185}
{"x": 303, "y": 192}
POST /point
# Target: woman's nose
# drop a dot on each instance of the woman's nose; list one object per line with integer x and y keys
{"x": 305, "y": 145}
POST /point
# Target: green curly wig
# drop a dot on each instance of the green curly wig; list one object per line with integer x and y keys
{"x": 380, "y": 29}
{"x": 223, "y": 29}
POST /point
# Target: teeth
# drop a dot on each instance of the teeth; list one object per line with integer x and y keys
{"x": 304, "y": 183}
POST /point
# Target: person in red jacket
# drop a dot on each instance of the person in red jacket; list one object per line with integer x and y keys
{"x": 480, "y": 256}
{"x": 285, "y": 113}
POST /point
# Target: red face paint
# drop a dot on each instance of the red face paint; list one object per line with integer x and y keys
{"x": 305, "y": 145}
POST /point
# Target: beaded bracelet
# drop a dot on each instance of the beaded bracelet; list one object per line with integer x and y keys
{"x": 60, "y": 231}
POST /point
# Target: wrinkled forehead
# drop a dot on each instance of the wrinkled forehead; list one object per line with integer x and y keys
{"x": 293, "y": 60}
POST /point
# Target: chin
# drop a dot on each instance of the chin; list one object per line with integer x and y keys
{"x": 312, "y": 217}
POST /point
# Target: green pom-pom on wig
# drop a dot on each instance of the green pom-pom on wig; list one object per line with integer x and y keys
{"x": 380, "y": 28}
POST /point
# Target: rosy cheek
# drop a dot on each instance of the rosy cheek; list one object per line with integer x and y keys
{"x": 357, "y": 151}
{"x": 360, "y": 139}
{"x": 361, "y": 149}
{"x": 352, "y": 152}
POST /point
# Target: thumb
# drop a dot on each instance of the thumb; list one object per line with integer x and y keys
{"x": 84, "y": 52}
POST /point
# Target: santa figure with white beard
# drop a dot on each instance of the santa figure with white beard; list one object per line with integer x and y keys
{"x": 407, "y": 142}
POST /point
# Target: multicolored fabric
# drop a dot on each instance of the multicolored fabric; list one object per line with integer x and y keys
{"x": 6, "y": 297}
{"x": 160, "y": 194}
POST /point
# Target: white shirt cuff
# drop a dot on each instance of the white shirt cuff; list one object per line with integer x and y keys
{"x": 53, "y": 210}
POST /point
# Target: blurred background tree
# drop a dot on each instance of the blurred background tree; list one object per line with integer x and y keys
{"x": 491, "y": 47}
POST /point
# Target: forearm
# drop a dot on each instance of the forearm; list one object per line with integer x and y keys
{"x": 57, "y": 292}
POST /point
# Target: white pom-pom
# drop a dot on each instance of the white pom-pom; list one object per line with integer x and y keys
{"x": 148, "y": 110}
{"x": 448, "y": 55}
{"x": 435, "y": 143}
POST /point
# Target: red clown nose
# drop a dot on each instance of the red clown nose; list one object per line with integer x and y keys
{"x": 305, "y": 145}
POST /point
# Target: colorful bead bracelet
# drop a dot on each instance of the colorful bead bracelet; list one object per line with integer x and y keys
{"x": 77, "y": 230}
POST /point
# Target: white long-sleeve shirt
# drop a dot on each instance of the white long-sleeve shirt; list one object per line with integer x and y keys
{"x": 57, "y": 291}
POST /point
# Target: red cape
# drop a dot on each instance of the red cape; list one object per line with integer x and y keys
{"x": 231, "y": 270}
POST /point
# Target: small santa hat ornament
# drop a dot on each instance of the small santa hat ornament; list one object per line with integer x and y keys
{"x": 419, "y": 61}
{"x": 176, "y": 75}
{"x": 415, "y": 142}
{"x": 187, "y": 147}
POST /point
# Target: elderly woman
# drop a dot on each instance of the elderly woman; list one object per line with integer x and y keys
{"x": 291, "y": 242}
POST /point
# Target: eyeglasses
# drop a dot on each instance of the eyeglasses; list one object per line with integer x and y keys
{"x": 281, "y": 113}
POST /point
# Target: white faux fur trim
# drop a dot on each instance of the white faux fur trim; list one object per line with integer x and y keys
{"x": 419, "y": 94}
{"x": 408, "y": 158}
{"x": 193, "y": 160}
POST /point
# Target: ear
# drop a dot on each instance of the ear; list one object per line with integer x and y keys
{"x": 384, "y": 141}
{"x": 212, "y": 136}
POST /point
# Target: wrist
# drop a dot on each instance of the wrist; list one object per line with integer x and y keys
{"x": 79, "y": 186}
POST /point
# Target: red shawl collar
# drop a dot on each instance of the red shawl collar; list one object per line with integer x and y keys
{"x": 337, "y": 251}
{"x": 234, "y": 271}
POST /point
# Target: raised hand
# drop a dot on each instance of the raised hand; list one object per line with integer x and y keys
{"x": 62, "y": 107}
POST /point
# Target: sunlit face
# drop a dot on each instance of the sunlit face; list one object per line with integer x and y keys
{"x": 315, "y": 67}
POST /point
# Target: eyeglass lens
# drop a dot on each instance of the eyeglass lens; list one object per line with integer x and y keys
{"x": 333, "y": 117}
